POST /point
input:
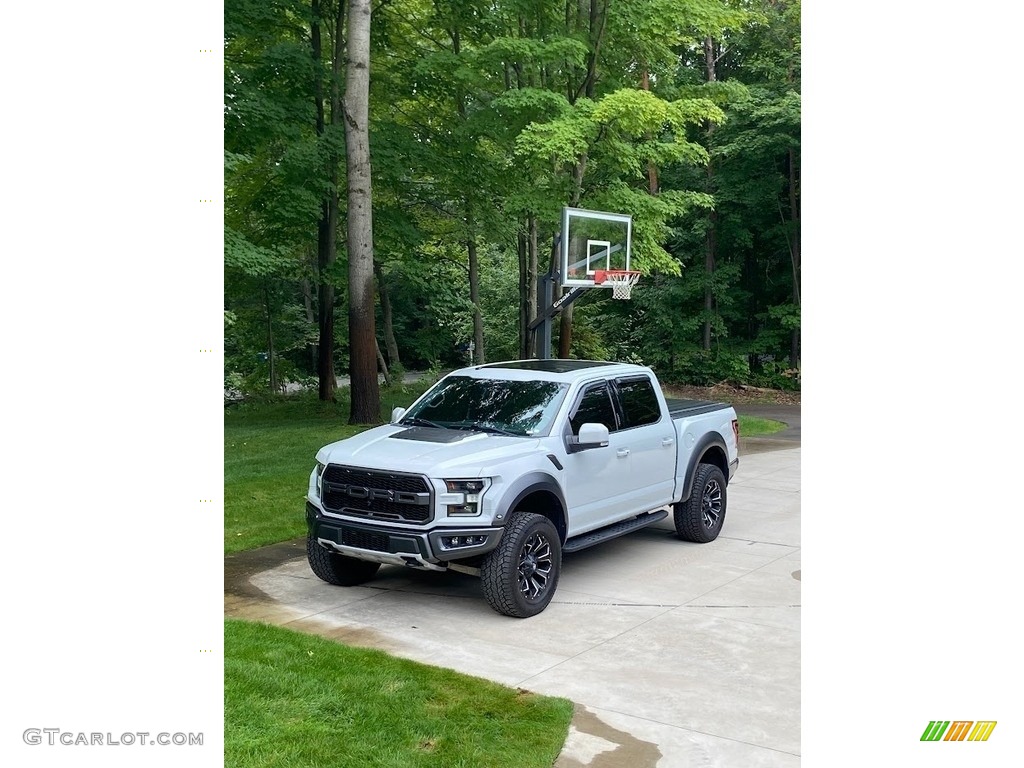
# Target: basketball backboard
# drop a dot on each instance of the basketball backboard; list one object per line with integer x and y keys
{"x": 593, "y": 241}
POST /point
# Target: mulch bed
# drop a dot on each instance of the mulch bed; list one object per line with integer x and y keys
{"x": 732, "y": 393}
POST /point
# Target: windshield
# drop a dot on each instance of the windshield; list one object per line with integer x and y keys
{"x": 519, "y": 408}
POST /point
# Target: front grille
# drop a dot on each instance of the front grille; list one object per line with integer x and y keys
{"x": 378, "y": 542}
{"x": 380, "y": 495}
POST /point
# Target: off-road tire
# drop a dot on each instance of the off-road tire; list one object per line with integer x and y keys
{"x": 338, "y": 569}
{"x": 701, "y": 516}
{"x": 511, "y": 573}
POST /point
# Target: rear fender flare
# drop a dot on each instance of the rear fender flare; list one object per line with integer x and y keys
{"x": 708, "y": 446}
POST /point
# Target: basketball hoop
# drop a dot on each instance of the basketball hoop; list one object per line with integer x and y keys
{"x": 620, "y": 280}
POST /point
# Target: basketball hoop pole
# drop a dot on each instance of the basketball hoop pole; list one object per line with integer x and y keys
{"x": 544, "y": 300}
{"x": 545, "y": 291}
{"x": 545, "y": 296}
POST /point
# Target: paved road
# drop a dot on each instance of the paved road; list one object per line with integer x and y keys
{"x": 676, "y": 654}
{"x": 787, "y": 438}
{"x": 410, "y": 377}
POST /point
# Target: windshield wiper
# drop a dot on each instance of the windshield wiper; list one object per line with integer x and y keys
{"x": 489, "y": 429}
{"x": 416, "y": 421}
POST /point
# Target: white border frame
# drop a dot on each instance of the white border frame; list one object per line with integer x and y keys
{"x": 606, "y": 249}
{"x": 582, "y": 213}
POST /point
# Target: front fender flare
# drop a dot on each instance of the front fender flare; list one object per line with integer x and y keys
{"x": 525, "y": 485}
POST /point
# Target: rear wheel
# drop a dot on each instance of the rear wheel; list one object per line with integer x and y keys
{"x": 520, "y": 575}
{"x": 701, "y": 516}
{"x": 338, "y": 569}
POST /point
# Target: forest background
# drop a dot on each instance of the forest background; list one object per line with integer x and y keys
{"x": 485, "y": 119}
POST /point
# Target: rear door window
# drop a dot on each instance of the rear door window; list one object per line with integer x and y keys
{"x": 639, "y": 402}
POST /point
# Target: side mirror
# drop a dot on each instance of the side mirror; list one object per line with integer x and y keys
{"x": 396, "y": 414}
{"x": 591, "y": 435}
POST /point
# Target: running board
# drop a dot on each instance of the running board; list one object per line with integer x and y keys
{"x": 613, "y": 531}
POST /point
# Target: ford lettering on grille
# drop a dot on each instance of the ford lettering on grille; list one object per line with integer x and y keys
{"x": 374, "y": 494}
{"x": 361, "y": 492}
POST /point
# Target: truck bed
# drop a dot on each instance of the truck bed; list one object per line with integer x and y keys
{"x": 679, "y": 408}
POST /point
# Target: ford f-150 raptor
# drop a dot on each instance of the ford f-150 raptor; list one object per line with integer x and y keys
{"x": 499, "y": 469}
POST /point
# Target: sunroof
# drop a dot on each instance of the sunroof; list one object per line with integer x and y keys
{"x": 549, "y": 366}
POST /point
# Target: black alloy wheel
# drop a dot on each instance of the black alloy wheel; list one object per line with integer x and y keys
{"x": 700, "y": 517}
{"x": 520, "y": 575}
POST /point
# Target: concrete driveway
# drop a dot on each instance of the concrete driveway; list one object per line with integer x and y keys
{"x": 676, "y": 654}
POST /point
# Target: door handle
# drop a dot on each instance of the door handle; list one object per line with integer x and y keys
{"x": 668, "y": 441}
{"x": 622, "y": 453}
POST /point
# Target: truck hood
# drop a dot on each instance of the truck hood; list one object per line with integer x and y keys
{"x": 432, "y": 452}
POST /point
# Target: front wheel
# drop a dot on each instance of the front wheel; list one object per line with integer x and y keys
{"x": 701, "y": 516}
{"x": 337, "y": 569}
{"x": 520, "y": 575}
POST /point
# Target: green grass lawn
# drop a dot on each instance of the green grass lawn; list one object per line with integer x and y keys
{"x": 752, "y": 426}
{"x": 269, "y": 450}
{"x": 298, "y": 701}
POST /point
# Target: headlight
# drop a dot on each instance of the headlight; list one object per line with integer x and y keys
{"x": 319, "y": 479}
{"x": 472, "y": 491}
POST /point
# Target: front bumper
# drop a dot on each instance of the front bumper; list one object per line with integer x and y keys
{"x": 413, "y": 547}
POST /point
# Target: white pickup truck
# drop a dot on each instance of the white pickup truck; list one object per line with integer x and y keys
{"x": 499, "y": 469}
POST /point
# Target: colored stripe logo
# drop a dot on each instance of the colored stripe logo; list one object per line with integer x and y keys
{"x": 958, "y": 730}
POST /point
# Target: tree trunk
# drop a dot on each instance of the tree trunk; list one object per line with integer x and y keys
{"x": 307, "y": 301}
{"x": 652, "y": 169}
{"x": 311, "y": 318}
{"x": 596, "y": 15}
{"x": 387, "y": 315}
{"x": 474, "y": 269}
{"x": 524, "y": 282}
{"x": 794, "y": 253}
{"x": 531, "y": 269}
{"x": 361, "y": 322}
{"x": 325, "y": 312}
{"x": 565, "y": 319}
{"x": 326, "y": 234}
{"x": 565, "y": 332}
{"x": 527, "y": 246}
{"x": 710, "y": 245}
{"x": 270, "y": 342}
{"x": 383, "y": 365}
{"x": 474, "y": 297}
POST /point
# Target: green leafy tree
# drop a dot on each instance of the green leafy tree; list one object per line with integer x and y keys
{"x": 271, "y": 187}
{"x": 486, "y": 118}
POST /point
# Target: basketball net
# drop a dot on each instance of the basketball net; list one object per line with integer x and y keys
{"x": 621, "y": 281}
